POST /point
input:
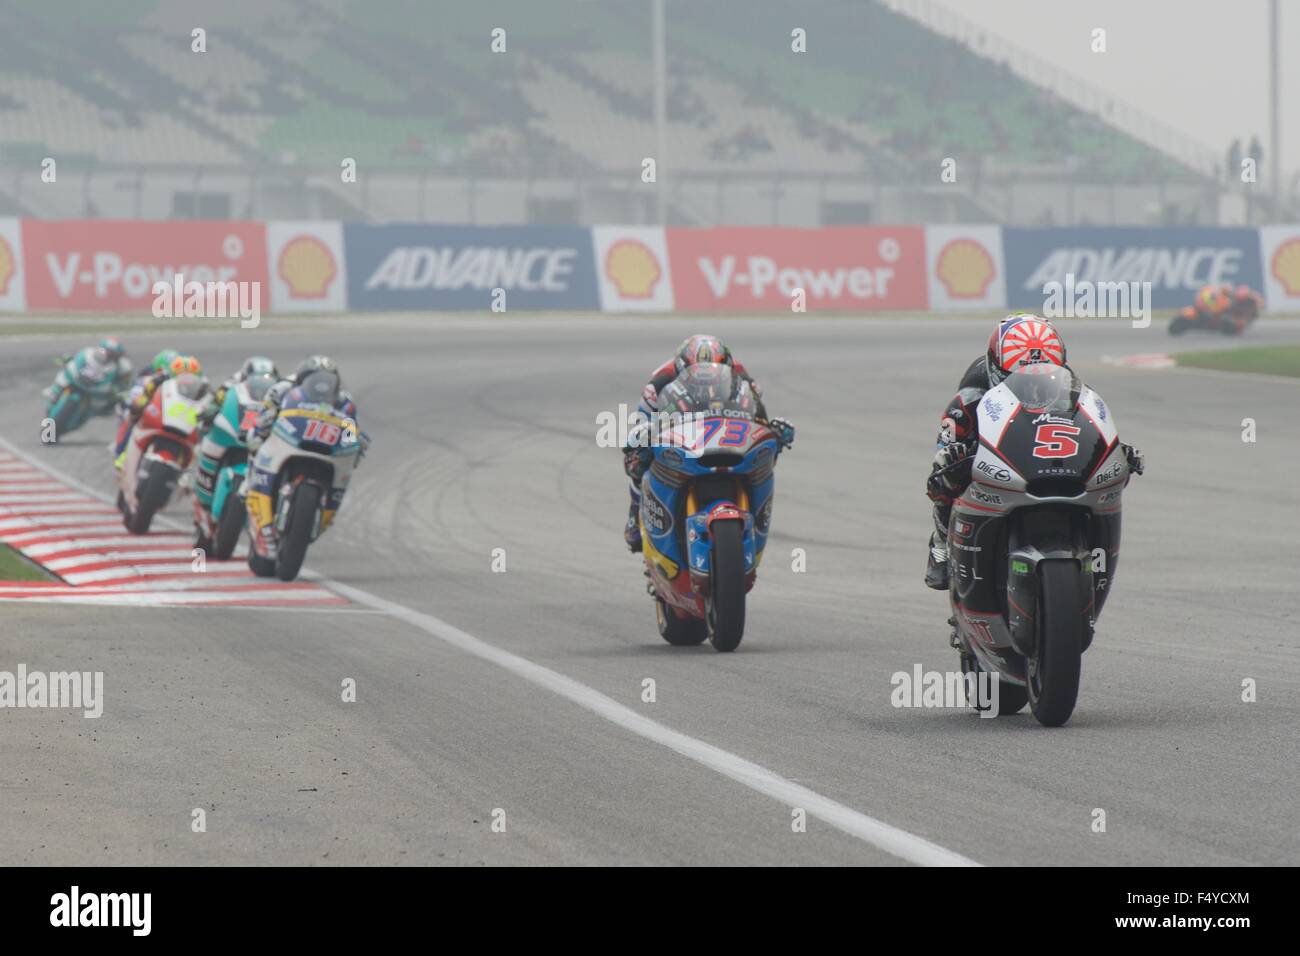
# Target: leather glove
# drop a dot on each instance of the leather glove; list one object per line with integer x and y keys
{"x": 636, "y": 461}
{"x": 950, "y": 470}
{"x": 784, "y": 431}
{"x": 1136, "y": 463}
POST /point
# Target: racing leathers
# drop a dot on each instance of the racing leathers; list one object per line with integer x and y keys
{"x": 950, "y": 471}
{"x": 257, "y": 489}
{"x": 135, "y": 404}
{"x": 84, "y": 367}
{"x": 636, "y": 458}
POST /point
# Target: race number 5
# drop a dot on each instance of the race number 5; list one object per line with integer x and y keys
{"x": 1056, "y": 441}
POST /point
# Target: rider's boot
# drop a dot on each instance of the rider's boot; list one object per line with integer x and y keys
{"x": 936, "y": 567}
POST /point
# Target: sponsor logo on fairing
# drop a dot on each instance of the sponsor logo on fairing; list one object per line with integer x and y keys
{"x": 993, "y": 471}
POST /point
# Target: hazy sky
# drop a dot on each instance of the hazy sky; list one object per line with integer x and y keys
{"x": 1201, "y": 65}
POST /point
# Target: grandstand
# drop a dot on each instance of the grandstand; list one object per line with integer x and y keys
{"x": 554, "y": 129}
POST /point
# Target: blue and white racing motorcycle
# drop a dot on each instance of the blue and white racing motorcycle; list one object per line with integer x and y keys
{"x": 706, "y": 504}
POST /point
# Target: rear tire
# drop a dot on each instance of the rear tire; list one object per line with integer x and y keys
{"x": 229, "y": 524}
{"x": 678, "y": 631}
{"x": 297, "y": 532}
{"x": 68, "y": 417}
{"x": 726, "y": 604}
{"x": 1054, "y": 669}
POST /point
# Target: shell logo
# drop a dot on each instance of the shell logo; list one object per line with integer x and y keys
{"x": 6, "y": 265}
{"x": 1285, "y": 265}
{"x": 633, "y": 268}
{"x": 965, "y": 268}
{"x": 307, "y": 267}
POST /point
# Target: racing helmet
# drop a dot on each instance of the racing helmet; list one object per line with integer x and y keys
{"x": 109, "y": 350}
{"x": 256, "y": 365}
{"x": 322, "y": 385}
{"x": 1021, "y": 339}
{"x": 316, "y": 363}
{"x": 1214, "y": 298}
{"x": 702, "y": 349}
{"x": 162, "y": 362}
{"x": 184, "y": 365}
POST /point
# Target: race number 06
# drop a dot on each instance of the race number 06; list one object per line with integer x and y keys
{"x": 1056, "y": 441}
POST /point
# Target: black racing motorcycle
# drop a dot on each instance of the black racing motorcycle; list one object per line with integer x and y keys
{"x": 1034, "y": 539}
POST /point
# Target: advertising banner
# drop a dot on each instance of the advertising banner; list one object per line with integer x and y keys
{"x": 112, "y": 265}
{"x": 965, "y": 268}
{"x": 843, "y": 268}
{"x": 415, "y": 267}
{"x": 632, "y": 269}
{"x": 1176, "y": 261}
{"x": 306, "y": 266}
{"x": 12, "y": 298}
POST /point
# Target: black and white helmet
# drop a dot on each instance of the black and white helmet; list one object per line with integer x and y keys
{"x": 316, "y": 363}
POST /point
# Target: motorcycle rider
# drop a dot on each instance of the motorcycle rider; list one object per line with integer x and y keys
{"x": 143, "y": 391}
{"x": 257, "y": 371}
{"x": 695, "y": 349}
{"x": 94, "y": 363}
{"x": 1020, "y": 339}
{"x": 1223, "y": 307}
{"x": 316, "y": 379}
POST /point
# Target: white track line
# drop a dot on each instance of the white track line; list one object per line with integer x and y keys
{"x": 892, "y": 840}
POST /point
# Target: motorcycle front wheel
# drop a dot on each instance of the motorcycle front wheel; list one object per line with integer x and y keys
{"x": 297, "y": 532}
{"x": 1054, "y": 668}
{"x": 726, "y": 604}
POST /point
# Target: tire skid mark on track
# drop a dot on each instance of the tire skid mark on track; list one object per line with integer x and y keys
{"x": 72, "y": 533}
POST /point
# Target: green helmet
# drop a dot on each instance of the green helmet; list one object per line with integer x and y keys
{"x": 163, "y": 360}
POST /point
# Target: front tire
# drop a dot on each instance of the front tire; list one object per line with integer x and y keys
{"x": 149, "y": 500}
{"x": 726, "y": 604}
{"x": 297, "y": 532}
{"x": 678, "y": 631}
{"x": 230, "y": 523}
{"x": 1054, "y": 668}
{"x": 1178, "y": 325}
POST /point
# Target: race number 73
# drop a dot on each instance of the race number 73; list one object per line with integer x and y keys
{"x": 1056, "y": 441}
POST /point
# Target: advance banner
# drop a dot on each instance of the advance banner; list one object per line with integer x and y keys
{"x": 112, "y": 265}
{"x": 842, "y": 268}
{"x": 420, "y": 267}
{"x": 1176, "y": 261}
{"x": 12, "y": 298}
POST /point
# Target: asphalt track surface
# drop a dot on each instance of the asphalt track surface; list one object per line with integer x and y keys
{"x": 484, "y": 438}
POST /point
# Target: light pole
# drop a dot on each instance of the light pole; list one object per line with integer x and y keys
{"x": 661, "y": 117}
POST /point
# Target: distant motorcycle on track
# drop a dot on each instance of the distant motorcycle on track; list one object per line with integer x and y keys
{"x": 219, "y": 513}
{"x": 91, "y": 390}
{"x": 706, "y": 506}
{"x": 1034, "y": 539}
{"x": 160, "y": 449}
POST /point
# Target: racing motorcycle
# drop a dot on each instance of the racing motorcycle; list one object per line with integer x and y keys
{"x": 1034, "y": 539}
{"x": 297, "y": 481}
{"x": 706, "y": 505}
{"x": 160, "y": 449}
{"x": 219, "y": 513}
{"x": 92, "y": 390}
